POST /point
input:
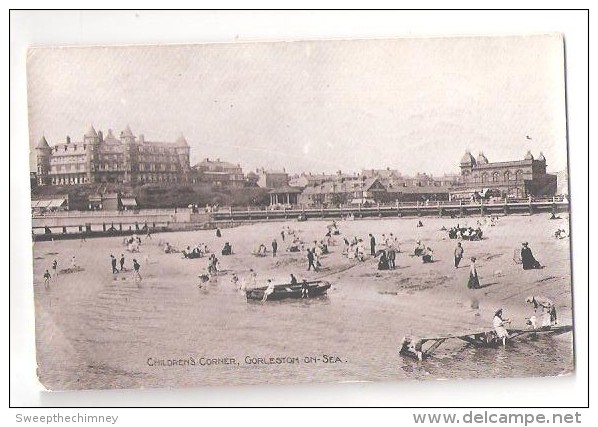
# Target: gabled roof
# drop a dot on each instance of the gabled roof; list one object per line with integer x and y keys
{"x": 127, "y": 133}
{"x": 110, "y": 138}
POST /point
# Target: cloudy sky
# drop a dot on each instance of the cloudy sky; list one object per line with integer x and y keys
{"x": 409, "y": 104}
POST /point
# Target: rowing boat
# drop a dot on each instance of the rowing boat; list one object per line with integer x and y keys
{"x": 315, "y": 288}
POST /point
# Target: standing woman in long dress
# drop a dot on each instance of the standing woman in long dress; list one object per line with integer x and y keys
{"x": 474, "y": 281}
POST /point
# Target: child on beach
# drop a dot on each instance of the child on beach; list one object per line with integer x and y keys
{"x": 55, "y": 269}
{"x": 113, "y": 262}
{"x": 136, "y": 274}
{"x": 499, "y": 326}
{"x": 47, "y": 278}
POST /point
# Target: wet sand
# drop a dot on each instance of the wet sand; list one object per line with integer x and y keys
{"x": 99, "y": 330}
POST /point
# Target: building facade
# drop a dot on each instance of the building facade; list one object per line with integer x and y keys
{"x": 512, "y": 179}
{"x": 220, "y": 173}
{"x": 98, "y": 159}
{"x": 272, "y": 179}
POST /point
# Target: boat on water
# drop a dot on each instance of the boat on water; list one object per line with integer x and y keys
{"x": 315, "y": 289}
{"x": 422, "y": 348}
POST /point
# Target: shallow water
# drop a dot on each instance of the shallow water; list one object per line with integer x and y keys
{"x": 99, "y": 331}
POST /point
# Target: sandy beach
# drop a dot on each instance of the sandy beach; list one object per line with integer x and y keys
{"x": 95, "y": 329}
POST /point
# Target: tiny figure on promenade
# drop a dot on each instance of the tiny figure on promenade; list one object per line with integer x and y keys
{"x": 122, "y": 262}
{"x": 113, "y": 262}
{"x": 274, "y": 247}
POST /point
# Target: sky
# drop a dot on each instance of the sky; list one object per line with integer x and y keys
{"x": 412, "y": 104}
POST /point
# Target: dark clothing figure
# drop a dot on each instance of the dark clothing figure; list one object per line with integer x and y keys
{"x": 274, "y": 247}
{"x": 383, "y": 262}
{"x": 227, "y": 249}
{"x": 474, "y": 281}
{"x": 122, "y": 263}
{"x": 310, "y": 260}
{"x": 391, "y": 254}
{"x": 293, "y": 280}
{"x": 136, "y": 267}
{"x": 282, "y": 235}
{"x": 458, "y": 255}
{"x": 528, "y": 260}
{"x": 113, "y": 260}
{"x": 372, "y": 245}
{"x": 304, "y": 289}
{"x": 218, "y": 233}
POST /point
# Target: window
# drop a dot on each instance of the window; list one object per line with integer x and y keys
{"x": 519, "y": 175}
{"x": 507, "y": 176}
{"x": 484, "y": 177}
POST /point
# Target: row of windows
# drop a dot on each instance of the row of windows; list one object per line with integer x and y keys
{"x": 65, "y": 148}
{"x": 69, "y": 180}
{"x": 497, "y": 177}
{"x": 67, "y": 159}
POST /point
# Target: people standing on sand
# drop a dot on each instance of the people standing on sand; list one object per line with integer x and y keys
{"x": 218, "y": 233}
{"x": 282, "y": 235}
{"x": 499, "y": 326}
{"x": 527, "y": 258}
{"x": 474, "y": 281}
{"x": 148, "y": 235}
{"x": 136, "y": 267}
{"x": 122, "y": 262}
{"x": 391, "y": 255}
{"x": 113, "y": 262}
{"x": 293, "y": 280}
{"x": 74, "y": 263}
{"x": 458, "y": 254}
{"x": 544, "y": 307}
{"x": 274, "y": 247}
{"x": 372, "y": 245}
{"x": 47, "y": 278}
{"x": 269, "y": 290}
{"x": 310, "y": 260}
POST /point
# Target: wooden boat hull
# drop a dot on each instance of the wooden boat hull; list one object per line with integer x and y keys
{"x": 287, "y": 291}
{"x": 423, "y": 348}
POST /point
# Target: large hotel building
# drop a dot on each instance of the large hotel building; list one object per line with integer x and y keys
{"x": 99, "y": 159}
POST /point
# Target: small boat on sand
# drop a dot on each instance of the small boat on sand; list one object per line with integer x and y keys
{"x": 315, "y": 288}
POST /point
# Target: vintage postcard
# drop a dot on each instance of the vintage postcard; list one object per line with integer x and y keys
{"x": 319, "y": 211}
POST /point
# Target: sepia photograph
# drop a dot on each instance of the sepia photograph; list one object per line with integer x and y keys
{"x": 318, "y": 211}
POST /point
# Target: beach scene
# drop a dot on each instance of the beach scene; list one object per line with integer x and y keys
{"x": 96, "y": 329}
{"x": 315, "y": 211}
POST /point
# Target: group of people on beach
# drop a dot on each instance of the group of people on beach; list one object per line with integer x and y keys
{"x": 121, "y": 263}
{"x": 543, "y": 316}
